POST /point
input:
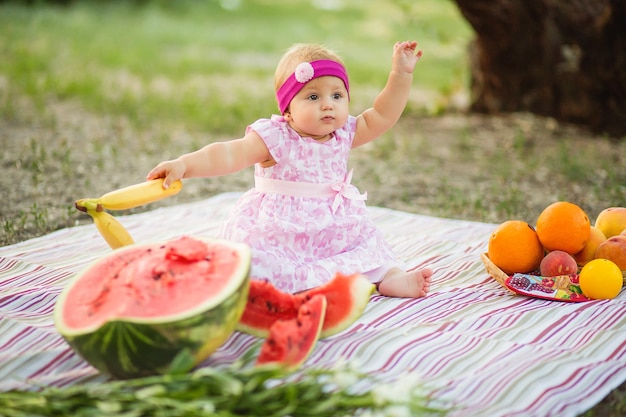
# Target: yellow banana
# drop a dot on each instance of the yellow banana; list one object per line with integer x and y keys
{"x": 131, "y": 196}
{"x": 111, "y": 229}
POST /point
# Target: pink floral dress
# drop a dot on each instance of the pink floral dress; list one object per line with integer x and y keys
{"x": 303, "y": 220}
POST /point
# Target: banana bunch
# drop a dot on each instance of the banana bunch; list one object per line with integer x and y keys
{"x": 123, "y": 199}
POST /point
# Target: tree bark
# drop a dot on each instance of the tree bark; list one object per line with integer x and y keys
{"x": 565, "y": 59}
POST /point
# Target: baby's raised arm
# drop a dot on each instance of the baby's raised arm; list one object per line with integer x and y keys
{"x": 215, "y": 159}
{"x": 391, "y": 101}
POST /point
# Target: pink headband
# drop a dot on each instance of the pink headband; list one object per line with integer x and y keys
{"x": 305, "y": 72}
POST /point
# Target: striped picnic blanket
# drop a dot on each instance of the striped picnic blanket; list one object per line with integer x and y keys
{"x": 471, "y": 342}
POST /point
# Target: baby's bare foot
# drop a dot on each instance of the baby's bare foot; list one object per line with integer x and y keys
{"x": 411, "y": 284}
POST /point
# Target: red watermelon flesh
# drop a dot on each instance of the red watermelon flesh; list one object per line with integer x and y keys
{"x": 290, "y": 342}
{"x": 150, "y": 281}
{"x": 346, "y": 296}
{"x": 266, "y": 305}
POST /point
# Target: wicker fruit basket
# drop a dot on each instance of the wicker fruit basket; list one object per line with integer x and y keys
{"x": 500, "y": 276}
{"x": 492, "y": 269}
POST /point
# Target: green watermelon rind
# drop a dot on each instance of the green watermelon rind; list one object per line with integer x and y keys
{"x": 288, "y": 308}
{"x": 128, "y": 347}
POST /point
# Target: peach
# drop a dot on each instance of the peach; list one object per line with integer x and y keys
{"x": 612, "y": 221}
{"x": 589, "y": 251}
{"x": 557, "y": 263}
{"x": 613, "y": 249}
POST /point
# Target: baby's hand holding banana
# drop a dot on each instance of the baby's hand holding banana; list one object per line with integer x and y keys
{"x": 130, "y": 197}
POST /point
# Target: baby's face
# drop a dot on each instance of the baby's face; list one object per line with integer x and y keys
{"x": 320, "y": 108}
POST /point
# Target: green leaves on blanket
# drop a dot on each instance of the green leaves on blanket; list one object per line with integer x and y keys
{"x": 235, "y": 391}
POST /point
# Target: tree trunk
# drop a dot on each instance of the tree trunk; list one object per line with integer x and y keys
{"x": 565, "y": 59}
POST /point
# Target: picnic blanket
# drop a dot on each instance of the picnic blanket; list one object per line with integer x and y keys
{"x": 471, "y": 342}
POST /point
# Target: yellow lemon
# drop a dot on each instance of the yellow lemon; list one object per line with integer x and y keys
{"x": 600, "y": 279}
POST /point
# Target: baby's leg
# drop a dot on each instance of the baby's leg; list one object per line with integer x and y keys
{"x": 399, "y": 283}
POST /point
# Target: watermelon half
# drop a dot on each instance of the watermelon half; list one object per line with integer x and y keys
{"x": 346, "y": 296}
{"x": 155, "y": 308}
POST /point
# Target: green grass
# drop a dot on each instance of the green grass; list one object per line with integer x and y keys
{"x": 185, "y": 61}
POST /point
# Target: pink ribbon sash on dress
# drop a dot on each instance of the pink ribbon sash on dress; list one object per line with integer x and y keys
{"x": 338, "y": 190}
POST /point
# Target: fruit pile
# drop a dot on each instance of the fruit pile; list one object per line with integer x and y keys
{"x": 291, "y": 324}
{"x": 564, "y": 242}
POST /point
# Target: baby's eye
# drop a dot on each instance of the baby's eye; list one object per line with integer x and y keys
{"x": 313, "y": 97}
{"x": 337, "y": 96}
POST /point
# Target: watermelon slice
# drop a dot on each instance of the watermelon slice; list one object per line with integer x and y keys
{"x": 346, "y": 296}
{"x": 154, "y": 308}
{"x": 290, "y": 342}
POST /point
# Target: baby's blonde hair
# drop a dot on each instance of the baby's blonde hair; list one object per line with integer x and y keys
{"x": 301, "y": 52}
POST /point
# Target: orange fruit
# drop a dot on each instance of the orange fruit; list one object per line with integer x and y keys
{"x": 515, "y": 247}
{"x": 600, "y": 279}
{"x": 563, "y": 226}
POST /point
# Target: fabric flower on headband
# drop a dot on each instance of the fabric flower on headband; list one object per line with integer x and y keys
{"x": 304, "y": 72}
